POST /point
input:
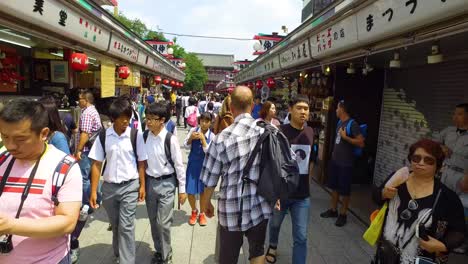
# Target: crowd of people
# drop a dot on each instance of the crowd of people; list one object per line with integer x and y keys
{"x": 45, "y": 203}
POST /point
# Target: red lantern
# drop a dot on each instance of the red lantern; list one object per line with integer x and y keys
{"x": 157, "y": 79}
{"x": 181, "y": 85}
{"x": 166, "y": 81}
{"x": 79, "y": 61}
{"x": 124, "y": 72}
{"x": 259, "y": 84}
{"x": 270, "y": 83}
{"x": 176, "y": 84}
{"x": 172, "y": 83}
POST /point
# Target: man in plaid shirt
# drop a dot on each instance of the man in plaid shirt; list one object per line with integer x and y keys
{"x": 226, "y": 158}
{"x": 90, "y": 123}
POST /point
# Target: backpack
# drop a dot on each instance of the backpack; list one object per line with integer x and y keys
{"x": 279, "y": 171}
{"x": 167, "y": 146}
{"x": 178, "y": 102}
{"x": 357, "y": 151}
{"x": 133, "y": 139}
{"x": 59, "y": 176}
{"x": 134, "y": 121}
{"x": 170, "y": 127}
{"x": 192, "y": 119}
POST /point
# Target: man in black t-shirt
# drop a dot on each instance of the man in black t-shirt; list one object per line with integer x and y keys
{"x": 341, "y": 164}
{"x": 301, "y": 138}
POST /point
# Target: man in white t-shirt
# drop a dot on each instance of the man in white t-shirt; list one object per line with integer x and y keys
{"x": 41, "y": 233}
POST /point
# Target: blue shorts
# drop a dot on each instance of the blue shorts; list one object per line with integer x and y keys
{"x": 340, "y": 178}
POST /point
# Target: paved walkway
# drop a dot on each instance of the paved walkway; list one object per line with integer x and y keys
{"x": 195, "y": 245}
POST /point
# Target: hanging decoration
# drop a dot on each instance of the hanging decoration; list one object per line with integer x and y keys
{"x": 79, "y": 61}
{"x": 165, "y": 81}
{"x": 271, "y": 83}
{"x": 250, "y": 85}
{"x": 181, "y": 85}
{"x": 172, "y": 83}
{"x": 259, "y": 84}
{"x": 157, "y": 79}
{"x": 123, "y": 72}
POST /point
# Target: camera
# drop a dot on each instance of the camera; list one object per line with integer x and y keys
{"x": 6, "y": 245}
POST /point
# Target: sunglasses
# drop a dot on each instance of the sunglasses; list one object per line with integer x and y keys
{"x": 407, "y": 213}
{"x": 427, "y": 160}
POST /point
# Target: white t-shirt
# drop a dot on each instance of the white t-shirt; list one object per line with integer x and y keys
{"x": 189, "y": 110}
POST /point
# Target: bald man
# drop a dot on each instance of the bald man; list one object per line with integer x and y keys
{"x": 241, "y": 138}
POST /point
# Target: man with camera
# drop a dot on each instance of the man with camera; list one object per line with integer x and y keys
{"x": 40, "y": 189}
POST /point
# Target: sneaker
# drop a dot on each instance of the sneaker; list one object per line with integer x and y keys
{"x": 74, "y": 255}
{"x": 157, "y": 258}
{"x": 117, "y": 259}
{"x": 193, "y": 218}
{"x": 202, "y": 219}
{"x": 463, "y": 249}
{"x": 329, "y": 214}
{"x": 341, "y": 221}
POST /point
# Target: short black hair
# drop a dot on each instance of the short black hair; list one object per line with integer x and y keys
{"x": 206, "y": 116}
{"x": 120, "y": 107}
{"x": 88, "y": 95}
{"x": 25, "y": 109}
{"x": 192, "y": 101}
{"x": 298, "y": 99}
{"x": 210, "y": 106}
{"x": 345, "y": 105}
{"x": 464, "y": 106}
{"x": 258, "y": 97}
{"x": 159, "y": 109}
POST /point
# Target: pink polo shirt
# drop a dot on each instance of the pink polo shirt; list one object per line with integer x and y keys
{"x": 38, "y": 205}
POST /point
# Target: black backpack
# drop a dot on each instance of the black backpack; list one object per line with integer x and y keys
{"x": 167, "y": 146}
{"x": 279, "y": 171}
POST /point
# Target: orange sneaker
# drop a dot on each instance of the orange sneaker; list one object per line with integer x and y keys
{"x": 202, "y": 219}
{"x": 193, "y": 218}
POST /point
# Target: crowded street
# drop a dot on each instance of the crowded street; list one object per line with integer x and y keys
{"x": 221, "y": 131}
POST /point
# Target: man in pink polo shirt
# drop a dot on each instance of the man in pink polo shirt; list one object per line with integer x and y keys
{"x": 41, "y": 232}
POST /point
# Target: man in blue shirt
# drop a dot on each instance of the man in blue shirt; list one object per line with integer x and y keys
{"x": 257, "y": 107}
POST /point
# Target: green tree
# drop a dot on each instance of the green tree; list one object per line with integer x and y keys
{"x": 155, "y": 35}
{"x": 195, "y": 73}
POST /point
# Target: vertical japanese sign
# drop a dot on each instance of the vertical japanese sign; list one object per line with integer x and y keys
{"x": 335, "y": 38}
{"x": 107, "y": 79}
{"x": 385, "y": 18}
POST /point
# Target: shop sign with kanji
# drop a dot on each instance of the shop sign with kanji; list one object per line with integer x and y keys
{"x": 161, "y": 46}
{"x": 385, "y": 18}
{"x": 123, "y": 49}
{"x": 271, "y": 65}
{"x": 55, "y": 16}
{"x": 335, "y": 38}
{"x": 298, "y": 54}
{"x": 145, "y": 60}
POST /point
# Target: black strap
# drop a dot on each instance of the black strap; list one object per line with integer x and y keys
{"x": 56, "y": 185}
{"x": 167, "y": 149}
{"x": 133, "y": 139}
{"x": 102, "y": 139}
{"x": 145, "y": 135}
{"x": 26, "y": 189}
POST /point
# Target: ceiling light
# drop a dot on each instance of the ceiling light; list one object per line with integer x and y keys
{"x": 395, "y": 63}
{"x": 327, "y": 70}
{"x": 15, "y": 43}
{"x": 436, "y": 56}
{"x": 351, "y": 69}
{"x": 367, "y": 68}
{"x": 7, "y": 31}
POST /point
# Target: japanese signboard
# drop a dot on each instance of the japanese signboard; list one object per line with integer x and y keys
{"x": 57, "y": 17}
{"x": 386, "y": 18}
{"x": 297, "y": 54}
{"x": 107, "y": 79}
{"x": 123, "y": 49}
{"x": 145, "y": 60}
{"x": 335, "y": 38}
{"x": 271, "y": 65}
{"x": 160, "y": 46}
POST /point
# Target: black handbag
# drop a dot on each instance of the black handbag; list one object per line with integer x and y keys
{"x": 386, "y": 253}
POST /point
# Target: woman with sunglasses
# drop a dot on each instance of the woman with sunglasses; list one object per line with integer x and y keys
{"x": 424, "y": 218}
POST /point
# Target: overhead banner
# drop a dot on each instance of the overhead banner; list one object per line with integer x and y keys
{"x": 107, "y": 79}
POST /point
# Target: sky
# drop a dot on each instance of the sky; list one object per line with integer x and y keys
{"x": 226, "y": 18}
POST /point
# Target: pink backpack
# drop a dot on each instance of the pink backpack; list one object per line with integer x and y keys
{"x": 192, "y": 119}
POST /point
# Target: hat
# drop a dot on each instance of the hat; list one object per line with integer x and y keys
{"x": 150, "y": 99}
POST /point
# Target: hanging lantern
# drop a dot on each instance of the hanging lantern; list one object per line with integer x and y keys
{"x": 250, "y": 85}
{"x": 157, "y": 79}
{"x": 79, "y": 61}
{"x": 181, "y": 85}
{"x": 270, "y": 83}
{"x": 172, "y": 83}
{"x": 165, "y": 81}
{"x": 259, "y": 84}
{"x": 177, "y": 84}
{"x": 124, "y": 72}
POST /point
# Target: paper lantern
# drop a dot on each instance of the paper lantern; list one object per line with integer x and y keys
{"x": 250, "y": 85}
{"x": 157, "y": 79}
{"x": 79, "y": 61}
{"x": 166, "y": 81}
{"x": 270, "y": 83}
{"x": 172, "y": 83}
{"x": 177, "y": 84}
{"x": 124, "y": 72}
{"x": 181, "y": 85}
{"x": 259, "y": 84}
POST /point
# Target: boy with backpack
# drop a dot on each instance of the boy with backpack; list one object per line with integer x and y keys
{"x": 301, "y": 138}
{"x": 124, "y": 177}
{"x": 348, "y": 145}
{"x": 164, "y": 172}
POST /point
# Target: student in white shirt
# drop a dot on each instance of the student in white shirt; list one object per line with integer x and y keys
{"x": 165, "y": 168}
{"x": 124, "y": 177}
{"x": 192, "y": 108}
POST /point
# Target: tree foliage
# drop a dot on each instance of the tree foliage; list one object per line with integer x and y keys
{"x": 195, "y": 73}
{"x": 139, "y": 27}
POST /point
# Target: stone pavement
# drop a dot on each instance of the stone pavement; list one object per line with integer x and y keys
{"x": 195, "y": 245}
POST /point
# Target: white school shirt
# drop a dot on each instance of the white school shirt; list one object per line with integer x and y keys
{"x": 158, "y": 165}
{"x": 121, "y": 165}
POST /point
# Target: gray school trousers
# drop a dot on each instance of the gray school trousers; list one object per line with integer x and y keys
{"x": 160, "y": 196}
{"x": 120, "y": 202}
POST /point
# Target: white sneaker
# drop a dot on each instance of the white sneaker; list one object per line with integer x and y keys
{"x": 74, "y": 255}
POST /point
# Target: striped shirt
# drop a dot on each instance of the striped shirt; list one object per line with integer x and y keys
{"x": 225, "y": 159}
{"x": 90, "y": 122}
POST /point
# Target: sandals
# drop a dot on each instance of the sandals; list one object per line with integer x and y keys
{"x": 270, "y": 255}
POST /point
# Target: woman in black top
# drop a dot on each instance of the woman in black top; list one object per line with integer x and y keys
{"x": 421, "y": 202}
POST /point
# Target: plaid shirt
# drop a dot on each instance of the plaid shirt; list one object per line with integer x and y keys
{"x": 226, "y": 158}
{"x": 90, "y": 121}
